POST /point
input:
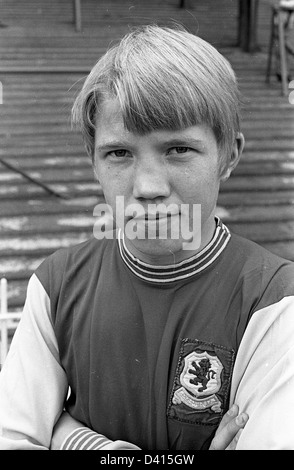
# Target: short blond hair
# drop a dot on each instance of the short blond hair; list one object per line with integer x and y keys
{"x": 165, "y": 78}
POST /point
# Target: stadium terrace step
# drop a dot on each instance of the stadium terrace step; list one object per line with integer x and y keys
{"x": 68, "y": 190}
{"x": 242, "y": 199}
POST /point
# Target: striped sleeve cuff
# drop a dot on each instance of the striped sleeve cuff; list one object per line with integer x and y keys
{"x": 84, "y": 439}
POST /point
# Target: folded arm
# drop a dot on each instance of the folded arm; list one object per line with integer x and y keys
{"x": 70, "y": 434}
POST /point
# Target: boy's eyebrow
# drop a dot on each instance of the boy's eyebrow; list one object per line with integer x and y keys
{"x": 112, "y": 144}
{"x": 177, "y": 141}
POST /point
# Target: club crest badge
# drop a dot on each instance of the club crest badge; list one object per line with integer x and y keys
{"x": 200, "y": 381}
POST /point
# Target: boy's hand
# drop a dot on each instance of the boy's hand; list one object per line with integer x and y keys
{"x": 227, "y": 434}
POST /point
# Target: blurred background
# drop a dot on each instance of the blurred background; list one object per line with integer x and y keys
{"x": 47, "y": 187}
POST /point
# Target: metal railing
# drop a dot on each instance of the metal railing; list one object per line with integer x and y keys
{"x": 8, "y": 321}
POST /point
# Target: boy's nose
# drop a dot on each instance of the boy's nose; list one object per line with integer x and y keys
{"x": 151, "y": 182}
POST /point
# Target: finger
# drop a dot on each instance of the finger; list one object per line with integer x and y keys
{"x": 230, "y": 414}
{"x": 226, "y": 435}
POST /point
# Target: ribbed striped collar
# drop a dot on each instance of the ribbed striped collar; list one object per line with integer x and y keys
{"x": 183, "y": 270}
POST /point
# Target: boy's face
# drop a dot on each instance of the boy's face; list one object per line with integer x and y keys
{"x": 177, "y": 168}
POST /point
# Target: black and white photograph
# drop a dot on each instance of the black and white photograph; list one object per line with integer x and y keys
{"x": 146, "y": 227}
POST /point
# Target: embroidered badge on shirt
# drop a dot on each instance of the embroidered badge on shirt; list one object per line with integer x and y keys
{"x": 200, "y": 379}
{"x": 201, "y": 383}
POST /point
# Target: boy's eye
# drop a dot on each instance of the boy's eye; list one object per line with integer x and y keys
{"x": 118, "y": 153}
{"x": 181, "y": 149}
{"x": 176, "y": 150}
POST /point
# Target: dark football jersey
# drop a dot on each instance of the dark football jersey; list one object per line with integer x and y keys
{"x": 149, "y": 350}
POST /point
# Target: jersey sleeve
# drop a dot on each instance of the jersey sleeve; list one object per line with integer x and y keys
{"x": 263, "y": 378}
{"x": 33, "y": 384}
{"x": 83, "y": 438}
{"x": 71, "y": 434}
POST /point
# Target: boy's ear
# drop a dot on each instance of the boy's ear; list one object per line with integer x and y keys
{"x": 235, "y": 157}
